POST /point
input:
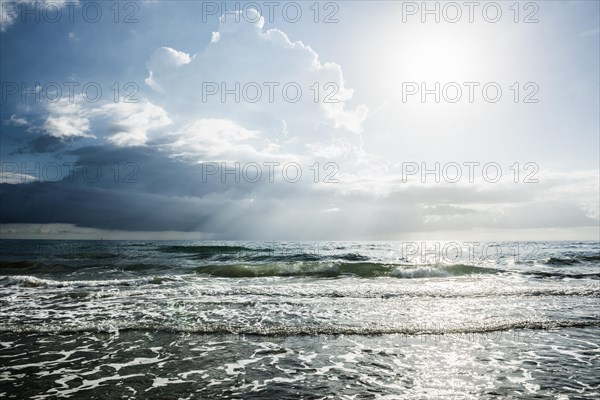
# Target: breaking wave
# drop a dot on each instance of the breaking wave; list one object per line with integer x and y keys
{"x": 309, "y": 329}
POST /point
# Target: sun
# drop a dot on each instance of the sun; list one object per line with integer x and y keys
{"x": 441, "y": 53}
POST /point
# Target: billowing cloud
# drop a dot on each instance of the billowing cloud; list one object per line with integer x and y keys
{"x": 162, "y": 59}
{"x": 130, "y": 123}
{"x": 263, "y": 81}
{"x": 67, "y": 119}
{"x": 218, "y": 140}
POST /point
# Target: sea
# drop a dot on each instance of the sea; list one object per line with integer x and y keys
{"x": 299, "y": 320}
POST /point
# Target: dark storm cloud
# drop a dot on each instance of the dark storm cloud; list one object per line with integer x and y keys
{"x": 152, "y": 171}
{"x": 42, "y": 144}
{"x": 140, "y": 189}
{"x": 155, "y": 191}
{"x": 99, "y": 208}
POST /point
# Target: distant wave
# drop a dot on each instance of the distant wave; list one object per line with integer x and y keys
{"x": 562, "y": 275}
{"x": 241, "y": 253}
{"x": 208, "y": 250}
{"x": 336, "y": 269}
{"x": 575, "y": 259}
{"x": 90, "y": 256}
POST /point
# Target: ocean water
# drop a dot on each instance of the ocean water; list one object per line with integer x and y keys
{"x": 290, "y": 320}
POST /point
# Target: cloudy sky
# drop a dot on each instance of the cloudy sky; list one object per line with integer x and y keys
{"x": 359, "y": 120}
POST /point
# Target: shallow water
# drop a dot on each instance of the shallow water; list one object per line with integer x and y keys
{"x": 154, "y": 319}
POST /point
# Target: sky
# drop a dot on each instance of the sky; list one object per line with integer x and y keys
{"x": 345, "y": 120}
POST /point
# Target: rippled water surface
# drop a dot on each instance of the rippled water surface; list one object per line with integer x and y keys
{"x": 158, "y": 319}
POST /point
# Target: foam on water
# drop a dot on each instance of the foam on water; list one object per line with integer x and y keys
{"x": 250, "y": 320}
